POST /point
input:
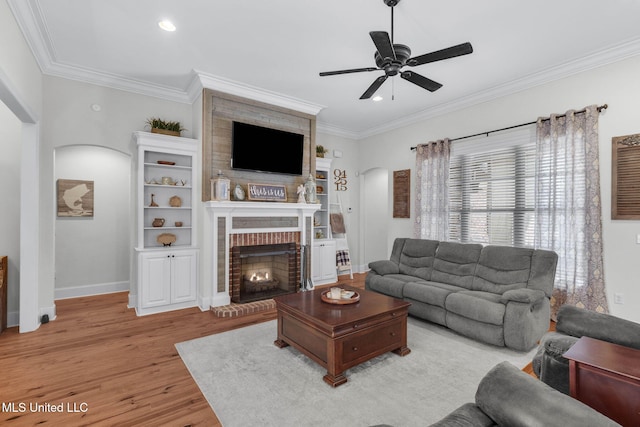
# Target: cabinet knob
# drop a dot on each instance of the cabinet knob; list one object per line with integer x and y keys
{"x": 393, "y": 334}
{"x": 355, "y": 348}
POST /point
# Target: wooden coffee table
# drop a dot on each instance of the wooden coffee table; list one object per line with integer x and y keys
{"x": 339, "y": 337}
{"x": 606, "y": 377}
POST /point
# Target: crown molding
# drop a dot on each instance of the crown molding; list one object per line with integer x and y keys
{"x": 619, "y": 52}
{"x": 232, "y": 87}
{"x": 33, "y": 26}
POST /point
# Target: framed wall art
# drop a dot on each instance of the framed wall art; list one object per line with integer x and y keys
{"x": 401, "y": 193}
{"x": 75, "y": 198}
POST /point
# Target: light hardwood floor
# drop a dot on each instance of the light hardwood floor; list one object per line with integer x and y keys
{"x": 114, "y": 368}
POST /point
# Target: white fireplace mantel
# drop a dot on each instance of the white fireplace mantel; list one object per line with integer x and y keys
{"x": 223, "y": 217}
{"x": 264, "y": 209}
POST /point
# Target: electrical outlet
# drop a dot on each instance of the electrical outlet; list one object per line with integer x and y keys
{"x": 618, "y": 298}
{"x": 638, "y": 239}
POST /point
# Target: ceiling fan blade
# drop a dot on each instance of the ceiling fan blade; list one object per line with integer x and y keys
{"x": 439, "y": 55}
{"x": 374, "y": 87}
{"x": 353, "y": 70}
{"x": 421, "y": 81}
{"x": 383, "y": 44}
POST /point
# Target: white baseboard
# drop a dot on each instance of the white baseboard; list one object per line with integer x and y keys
{"x": 89, "y": 290}
{"x": 13, "y": 319}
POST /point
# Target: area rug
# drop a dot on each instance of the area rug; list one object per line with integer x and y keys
{"x": 248, "y": 381}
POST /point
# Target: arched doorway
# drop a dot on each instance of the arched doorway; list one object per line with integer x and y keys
{"x": 374, "y": 215}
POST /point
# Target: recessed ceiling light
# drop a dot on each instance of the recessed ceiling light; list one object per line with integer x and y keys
{"x": 377, "y": 98}
{"x": 167, "y": 25}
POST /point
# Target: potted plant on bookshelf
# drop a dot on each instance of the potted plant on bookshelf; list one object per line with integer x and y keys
{"x": 167, "y": 128}
{"x": 320, "y": 150}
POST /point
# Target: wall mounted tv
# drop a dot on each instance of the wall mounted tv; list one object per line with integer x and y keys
{"x": 257, "y": 148}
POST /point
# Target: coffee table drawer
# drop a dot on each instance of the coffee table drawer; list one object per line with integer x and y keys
{"x": 375, "y": 340}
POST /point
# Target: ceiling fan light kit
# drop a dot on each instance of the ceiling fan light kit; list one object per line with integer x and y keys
{"x": 391, "y": 58}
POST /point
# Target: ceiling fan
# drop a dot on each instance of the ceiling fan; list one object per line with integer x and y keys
{"x": 391, "y": 58}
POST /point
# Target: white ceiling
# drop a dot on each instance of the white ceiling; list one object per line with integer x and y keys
{"x": 279, "y": 46}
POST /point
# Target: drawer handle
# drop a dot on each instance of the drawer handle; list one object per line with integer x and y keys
{"x": 393, "y": 334}
{"x": 355, "y": 326}
{"x": 355, "y": 348}
{"x": 393, "y": 315}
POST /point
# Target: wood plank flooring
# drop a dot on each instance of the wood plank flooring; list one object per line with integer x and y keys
{"x": 110, "y": 366}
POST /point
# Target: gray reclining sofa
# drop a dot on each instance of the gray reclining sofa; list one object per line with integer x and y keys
{"x": 494, "y": 294}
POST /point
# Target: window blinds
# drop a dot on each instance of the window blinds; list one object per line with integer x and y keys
{"x": 492, "y": 184}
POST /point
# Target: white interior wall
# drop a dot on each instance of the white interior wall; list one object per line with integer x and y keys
{"x": 616, "y": 84}
{"x": 92, "y": 253}
{"x": 10, "y": 147}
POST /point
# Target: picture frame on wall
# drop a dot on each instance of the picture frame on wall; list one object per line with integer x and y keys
{"x": 75, "y": 198}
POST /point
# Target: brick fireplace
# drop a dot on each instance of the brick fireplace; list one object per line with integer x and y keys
{"x": 263, "y": 271}
{"x": 236, "y": 227}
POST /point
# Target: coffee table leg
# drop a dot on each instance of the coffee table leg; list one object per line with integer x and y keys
{"x": 402, "y": 351}
{"x": 335, "y": 380}
{"x": 280, "y": 344}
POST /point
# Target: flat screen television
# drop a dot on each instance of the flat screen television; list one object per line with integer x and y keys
{"x": 256, "y": 148}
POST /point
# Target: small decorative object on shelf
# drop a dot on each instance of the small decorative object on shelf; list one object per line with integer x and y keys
{"x": 220, "y": 187}
{"x": 301, "y": 194}
{"x": 158, "y": 222}
{"x": 175, "y": 202}
{"x": 310, "y": 189}
{"x": 167, "y": 128}
{"x": 320, "y": 150}
{"x": 153, "y": 203}
{"x": 167, "y": 180}
{"x": 178, "y": 223}
{"x": 238, "y": 192}
{"x": 166, "y": 239}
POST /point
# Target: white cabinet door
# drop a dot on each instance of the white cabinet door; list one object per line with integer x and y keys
{"x": 323, "y": 266}
{"x": 183, "y": 276}
{"x": 167, "y": 280}
{"x": 155, "y": 280}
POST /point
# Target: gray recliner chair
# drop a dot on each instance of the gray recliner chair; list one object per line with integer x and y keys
{"x": 508, "y": 397}
{"x": 573, "y": 322}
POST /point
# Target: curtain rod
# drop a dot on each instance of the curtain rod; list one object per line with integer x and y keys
{"x": 600, "y": 108}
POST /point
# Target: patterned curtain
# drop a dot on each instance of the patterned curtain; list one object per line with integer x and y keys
{"x": 432, "y": 190}
{"x": 568, "y": 207}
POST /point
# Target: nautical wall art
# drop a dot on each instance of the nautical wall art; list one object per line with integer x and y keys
{"x": 75, "y": 198}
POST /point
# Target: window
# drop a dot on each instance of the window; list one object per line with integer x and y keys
{"x": 491, "y": 191}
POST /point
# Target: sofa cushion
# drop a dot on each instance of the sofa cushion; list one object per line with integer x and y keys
{"x": 391, "y": 285}
{"x": 501, "y": 268}
{"x": 455, "y": 263}
{"x": 384, "y": 266}
{"x": 543, "y": 271}
{"x": 477, "y": 305}
{"x": 433, "y": 293}
{"x": 416, "y": 257}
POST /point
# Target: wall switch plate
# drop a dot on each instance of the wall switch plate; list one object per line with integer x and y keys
{"x": 618, "y": 298}
{"x": 637, "y": 239}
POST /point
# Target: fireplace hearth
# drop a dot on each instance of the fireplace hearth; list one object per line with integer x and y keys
{"x": 261, "y": 272}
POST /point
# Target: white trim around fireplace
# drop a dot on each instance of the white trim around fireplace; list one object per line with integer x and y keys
{"x": 234, "y": 217}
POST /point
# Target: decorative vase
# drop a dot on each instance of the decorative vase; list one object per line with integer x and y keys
{"x": 158, "y": 222}
{"x": 220, "y": 187}
{"x": 310, "y": 189}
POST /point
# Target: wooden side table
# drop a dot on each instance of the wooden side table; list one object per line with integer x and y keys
{"x": 606, "y": 377}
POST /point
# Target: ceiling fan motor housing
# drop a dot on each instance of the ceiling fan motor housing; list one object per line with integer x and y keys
{"x": 391, "y": 3}
{"x": 392, "y": 66}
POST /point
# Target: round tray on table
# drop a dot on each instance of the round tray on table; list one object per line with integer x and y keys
{"x": 354, "y": 298}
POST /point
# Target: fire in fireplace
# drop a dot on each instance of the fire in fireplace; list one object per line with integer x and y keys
{"x": 263, "y": 271}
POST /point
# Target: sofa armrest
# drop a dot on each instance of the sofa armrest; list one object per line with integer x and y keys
{"x": 581, "y": 322}
{"x": 513, "y": 398}
{"x": 467, "y": 415}
{"x": 384, "y": 267}
{"x": 556, "y": 344}
{"x": 524, "y": 295}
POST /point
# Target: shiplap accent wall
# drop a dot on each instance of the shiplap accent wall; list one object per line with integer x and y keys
{"x": 220, "y": 110}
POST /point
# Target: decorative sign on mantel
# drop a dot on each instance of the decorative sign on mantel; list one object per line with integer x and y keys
{"x": 267, "y": 192}
{"x": 401, "y": 193}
